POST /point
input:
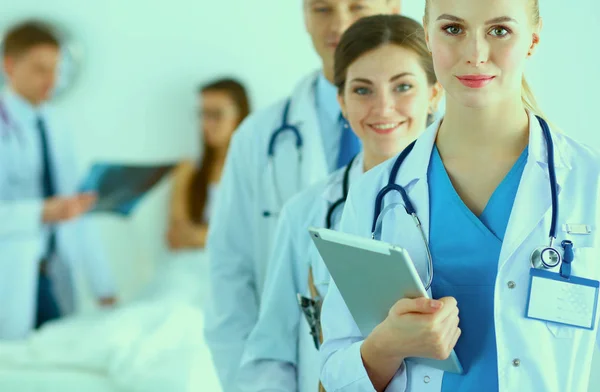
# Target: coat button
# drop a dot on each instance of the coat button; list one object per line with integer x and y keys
{"x": 426, "y": 379}
{"x": 511, "y": 285}
{"x": 516, "y": 362}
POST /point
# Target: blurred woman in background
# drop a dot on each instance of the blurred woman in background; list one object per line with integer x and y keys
{"x": 183, "y": 275}
{"x": 224, "y": 104}
{"x": 162, "y": 321}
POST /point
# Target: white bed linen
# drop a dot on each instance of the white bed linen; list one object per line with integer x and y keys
{"x": 154, "y": 343}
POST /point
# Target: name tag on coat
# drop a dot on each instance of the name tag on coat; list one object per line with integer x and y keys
{"x": 569, "y": 301}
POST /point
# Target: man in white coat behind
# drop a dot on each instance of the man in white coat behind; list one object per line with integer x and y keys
{"x": 265, "y": 168}
{"x": 41, "y": 241}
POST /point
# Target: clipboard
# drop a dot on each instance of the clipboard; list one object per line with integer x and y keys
{"x": 372, "y": 276}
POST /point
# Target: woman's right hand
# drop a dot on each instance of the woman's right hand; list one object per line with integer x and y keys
{"x": 418, "y": 327}
{"x": 422, "y": 327}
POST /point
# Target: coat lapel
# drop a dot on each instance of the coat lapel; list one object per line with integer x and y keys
{"x": 398, "y": 227}
{"x": 303, "y": 113}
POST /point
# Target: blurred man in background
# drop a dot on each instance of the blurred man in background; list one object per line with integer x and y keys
{"x": 43, "y": 240}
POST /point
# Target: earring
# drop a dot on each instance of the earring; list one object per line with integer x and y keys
{"x": 344, "y": 121}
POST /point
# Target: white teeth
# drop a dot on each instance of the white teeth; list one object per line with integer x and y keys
{"x": 385, "y": 126}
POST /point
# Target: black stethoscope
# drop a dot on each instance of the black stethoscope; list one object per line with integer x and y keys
{"x": 341, "y": 200}
{"x": 283, "y": 128}
{"x": 311, "y": 307}
{"x": 546, "y": 257}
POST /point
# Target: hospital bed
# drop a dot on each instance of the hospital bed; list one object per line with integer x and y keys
{"x": 151, "y": 344}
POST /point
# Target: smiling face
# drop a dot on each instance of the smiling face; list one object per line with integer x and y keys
{"x": 386, "y": 99}
{"x": 480, "y": 47}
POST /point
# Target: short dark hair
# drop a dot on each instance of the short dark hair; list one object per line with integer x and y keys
{"x": 27, "y": 35}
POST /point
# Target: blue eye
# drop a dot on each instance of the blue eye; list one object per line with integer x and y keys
{"x": 321, "y": 10}
{"x": 362, "y": 91}
{"x": 452, "y": 30}
{"x": 403, "y": 87}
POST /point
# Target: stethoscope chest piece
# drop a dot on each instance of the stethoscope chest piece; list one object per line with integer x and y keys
{"x": 545, "y": 257}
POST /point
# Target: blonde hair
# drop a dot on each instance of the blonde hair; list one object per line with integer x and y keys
{"x": 527, "y": 95}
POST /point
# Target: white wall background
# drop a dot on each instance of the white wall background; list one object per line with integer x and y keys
{"x": 135, "y": 98}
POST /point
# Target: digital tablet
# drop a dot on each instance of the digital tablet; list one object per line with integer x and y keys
{"x": 371, "y": 277}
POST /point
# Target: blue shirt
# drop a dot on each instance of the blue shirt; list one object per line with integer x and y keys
{"x": 328, "y": 113}
{"x": 465, "y": 251}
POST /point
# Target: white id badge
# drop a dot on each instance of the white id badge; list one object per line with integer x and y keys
{"x": 571, "y": 301}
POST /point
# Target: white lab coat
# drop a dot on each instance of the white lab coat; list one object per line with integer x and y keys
{"x": 239, "y": 238}
{"x": 22, "y": 233}
{"x": 280, "y": 354}
{"x": 553, "y": 358}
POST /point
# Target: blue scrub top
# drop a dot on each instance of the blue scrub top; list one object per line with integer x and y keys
{"x": 466, "y": 249}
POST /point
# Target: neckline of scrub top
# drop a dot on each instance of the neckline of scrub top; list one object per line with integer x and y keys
{"x": 481, "y": 221}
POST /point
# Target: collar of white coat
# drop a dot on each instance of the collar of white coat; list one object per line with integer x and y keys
{"x": 326, "y": 94}
{"x": 303, "y": 99}
{"x": 19, "y": 110}
{"x": 334, "y": 187}
{"x": 414, "y": 168}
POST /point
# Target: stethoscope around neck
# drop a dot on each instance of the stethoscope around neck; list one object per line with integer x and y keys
{"x": 546, "y": 257}
{"x": 283, "y": 128}
{"x": 341, "y": 200}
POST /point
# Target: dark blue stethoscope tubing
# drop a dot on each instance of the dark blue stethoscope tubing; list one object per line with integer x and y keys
{"x": 285, "y": 126}
{"x": 552, "y": 174}
{"x": 341, "y": 200}
{"x": 393, "y": 186}
{"x": 411, "y": 210}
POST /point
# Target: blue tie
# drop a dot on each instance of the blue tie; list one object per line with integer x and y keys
{"x": 47, "y": 306}
{"x": 47, "y": 181}
{"x": 349, "y": 144}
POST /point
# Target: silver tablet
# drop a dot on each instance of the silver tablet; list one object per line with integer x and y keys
{"x": 372, "y": 276}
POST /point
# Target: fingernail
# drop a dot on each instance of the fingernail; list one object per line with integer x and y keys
{"x": 436, "y": 304}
